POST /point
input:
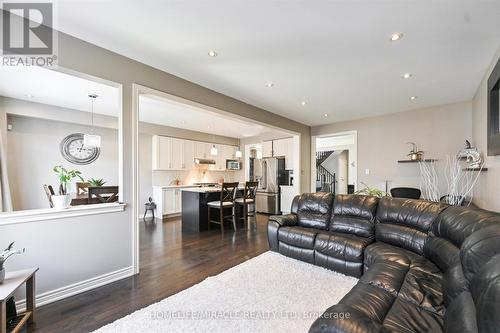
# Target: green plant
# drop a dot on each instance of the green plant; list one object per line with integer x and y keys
{"x": 96, "y": 182}
{"x": 372, "y": 191}
{"x": 7, "y": 253}
{"x": 65, "y": 176}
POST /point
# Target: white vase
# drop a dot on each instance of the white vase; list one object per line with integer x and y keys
{"x": 61, "y": 201}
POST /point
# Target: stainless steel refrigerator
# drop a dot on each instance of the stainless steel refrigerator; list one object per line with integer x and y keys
{"x": 272, "y": 175}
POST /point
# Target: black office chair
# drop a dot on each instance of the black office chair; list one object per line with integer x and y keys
{"x": 406, "y": 192}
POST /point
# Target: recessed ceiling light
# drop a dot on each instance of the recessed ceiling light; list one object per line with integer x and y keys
{"x": 270, "y": 85}
{"x": 396, "y": 36}
{"x": 412, "y": 98}
{"x": 407, "y": 75}
{"x": 29, "y": 95}
{"x": 325, "y": 115}
{"x": 212, "y": 53}
{"x": 303, "y": 103}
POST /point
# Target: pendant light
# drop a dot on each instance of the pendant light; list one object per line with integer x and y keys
{"x": 90, "y": 140}
{"x": 238, "y": 154}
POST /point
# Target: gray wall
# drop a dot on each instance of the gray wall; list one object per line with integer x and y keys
{"x": 487, "y": 190}
{"x": 438, "y": 131}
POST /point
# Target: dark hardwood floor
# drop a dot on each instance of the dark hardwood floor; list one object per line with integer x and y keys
{"x": 170, "y": 261}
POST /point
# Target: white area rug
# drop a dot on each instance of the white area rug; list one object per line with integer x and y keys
{"x": 268, "y": 293}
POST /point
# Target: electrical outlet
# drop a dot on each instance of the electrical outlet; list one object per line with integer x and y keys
{"x": 367, "y": 171}
{"x": 9, "y": 127}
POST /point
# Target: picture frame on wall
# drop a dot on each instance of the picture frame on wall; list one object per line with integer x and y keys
{"x": 493, "y": 129}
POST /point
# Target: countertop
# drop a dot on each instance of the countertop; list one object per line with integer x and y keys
{"x": 206, "y": 189}
{"x": 176, "y": 186}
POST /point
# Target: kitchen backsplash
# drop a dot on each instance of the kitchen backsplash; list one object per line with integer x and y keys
{"x": 165, "y": 178}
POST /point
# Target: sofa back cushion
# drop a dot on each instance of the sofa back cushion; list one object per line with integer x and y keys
{"x": 354, "y": 214}
{"x": 313, "y": 210}
{"x": 451, "y": 228}
{"x": 405, "y": 222}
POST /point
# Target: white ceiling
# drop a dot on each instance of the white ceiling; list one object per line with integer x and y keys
{"x": 335, "y": 55}
{"x": 170, "y": 113}
{"x": 39, "y": 85}
{"x": 36, "y": 84}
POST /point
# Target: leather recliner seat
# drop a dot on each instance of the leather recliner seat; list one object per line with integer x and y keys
{"x": 422, "y": 266}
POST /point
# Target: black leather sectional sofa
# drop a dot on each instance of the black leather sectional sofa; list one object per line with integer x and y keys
{"x": 422, "y": 266}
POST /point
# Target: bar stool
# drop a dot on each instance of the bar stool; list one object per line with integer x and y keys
{"x": 227, "y": 195}
{"x": 248, "y": 199}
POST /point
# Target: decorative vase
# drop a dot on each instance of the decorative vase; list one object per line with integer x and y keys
{"x": 2, "y": 275}
{"x": 61, "y": 201}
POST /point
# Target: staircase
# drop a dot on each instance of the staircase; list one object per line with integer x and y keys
{"x": 325, "y": 181}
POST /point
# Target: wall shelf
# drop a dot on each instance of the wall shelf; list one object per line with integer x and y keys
{"x": 415, "y": 161}
{"x": 475, "y": 169}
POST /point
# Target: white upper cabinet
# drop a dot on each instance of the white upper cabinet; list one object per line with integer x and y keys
{"x": 189, "y": 148}
{"x": 178, "y": 154}
{"x": 162, "y": 153}
{"x": 267, "y": 149}
{"x": 279, "y": 147}
{"x": 202, "y": 150}
{"x": 177, "y": 157}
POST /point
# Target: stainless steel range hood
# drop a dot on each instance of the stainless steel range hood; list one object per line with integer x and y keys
{"x": 203, "y": 161}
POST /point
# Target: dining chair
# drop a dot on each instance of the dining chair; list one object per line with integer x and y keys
{"x": 227, "y": 195}
{"x": 248, "y": 199}
{"x": 103, "y": 194}
{"x": 406, "y": 192}
{"x": 49, "y": 191}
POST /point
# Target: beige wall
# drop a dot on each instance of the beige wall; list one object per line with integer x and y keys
{"x": 438, "y": 131}
{"x": 487, "y": 191}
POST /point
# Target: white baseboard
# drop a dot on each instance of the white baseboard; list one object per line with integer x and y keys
{"x": 76, "y": 288}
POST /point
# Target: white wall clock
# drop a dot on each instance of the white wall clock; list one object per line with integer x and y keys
{"x": 73, "y": 150}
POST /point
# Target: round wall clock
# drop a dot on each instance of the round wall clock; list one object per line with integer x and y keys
{"x": 73, "y": 150}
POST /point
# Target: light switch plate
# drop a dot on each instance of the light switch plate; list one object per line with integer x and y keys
{"x": 367, "y": 171}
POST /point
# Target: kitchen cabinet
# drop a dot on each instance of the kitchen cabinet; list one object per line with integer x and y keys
{"x": 188, "y": 156}
{"x": 177, "y": 154}
{"x": 168, "y": 199}
{"x": 162, "y": 153}
{"x": 225, "y": 153}
{"x": 288, "y": 193}
{"x": 202, "y": 150}
{"x": 279, "y": 147}
{"x": 267, "y": 149}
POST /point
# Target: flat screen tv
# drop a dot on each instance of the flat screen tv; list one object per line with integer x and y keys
{"x": 494, "y": 111}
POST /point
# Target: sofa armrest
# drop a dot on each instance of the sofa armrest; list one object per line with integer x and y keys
{"x": 275, "y": 222}
{"x": 284, "y": 220}
{"x": 345, "y": 319}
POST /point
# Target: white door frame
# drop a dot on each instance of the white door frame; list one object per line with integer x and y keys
{"x": 313, "y": 154}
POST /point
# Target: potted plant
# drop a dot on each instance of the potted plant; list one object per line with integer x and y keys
{"x": 96, "y": 182}
{"x": 4, "y": 256}
{"x": 63, "y": 200}
{"x": 372, "y": 191}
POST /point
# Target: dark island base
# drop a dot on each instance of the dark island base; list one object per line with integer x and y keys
{"x": 195, "y": 212}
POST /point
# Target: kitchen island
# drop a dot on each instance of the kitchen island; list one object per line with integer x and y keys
{"x": 195, "y": 208}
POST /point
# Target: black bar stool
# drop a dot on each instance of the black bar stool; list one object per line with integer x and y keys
{"x": 227, "y": 195}
{"x": 248, "y": 199}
